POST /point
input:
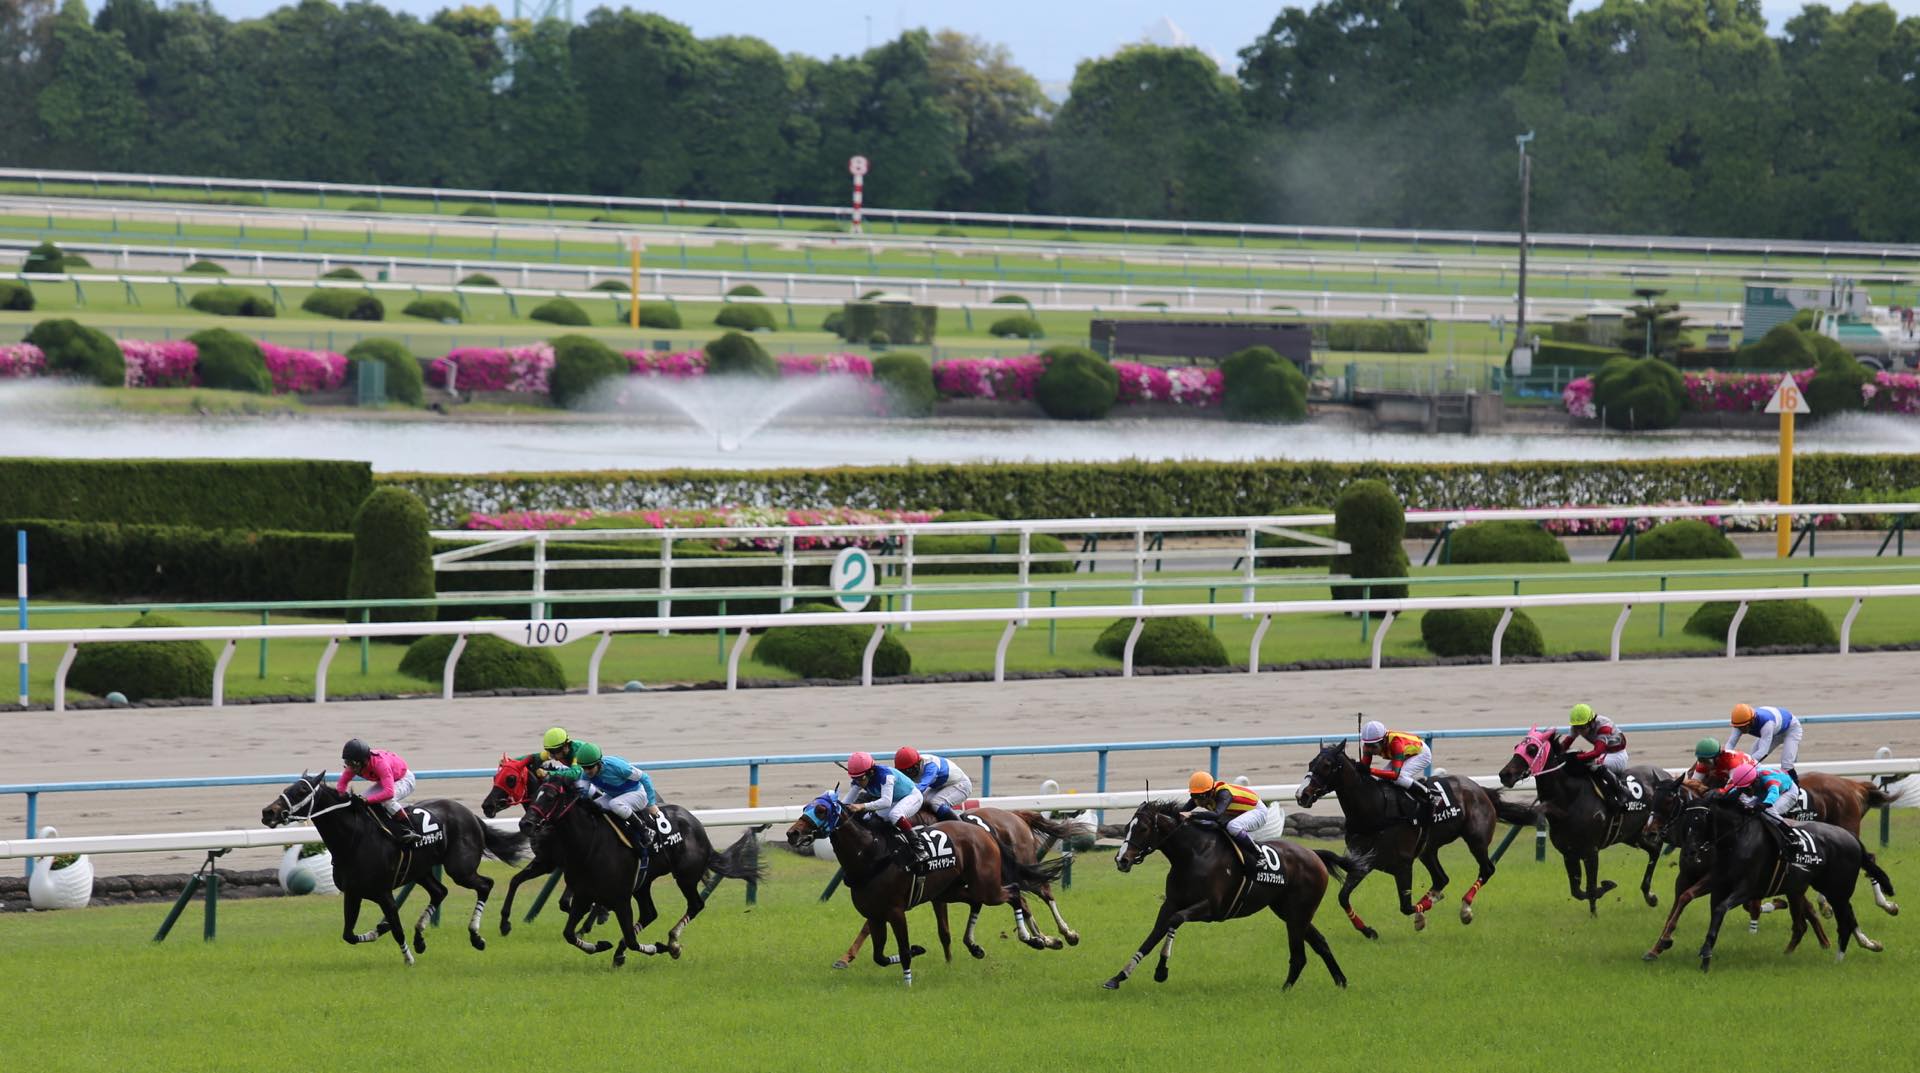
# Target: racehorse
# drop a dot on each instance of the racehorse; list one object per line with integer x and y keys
{"x": 1206, "y": 880}
{"x": 514, "y": 783}
{"x": 1579, "y": 823}
{"x": 602, "y": 869}
{"x": 1750, "y": 862}
{"x": 1016, "y": 832}
{"x": 967, "y": 865}
{"x": 368, "y": 864}
{"x": 1376, "y": 831}
{"x": 1844, "y": 803}
{"x": 1679, "y": 820}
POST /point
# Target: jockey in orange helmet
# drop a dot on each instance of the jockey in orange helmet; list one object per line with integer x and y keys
{"x": 1239, "y": 807}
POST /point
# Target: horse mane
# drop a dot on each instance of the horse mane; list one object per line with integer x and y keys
{"x": 1154, "y": 807}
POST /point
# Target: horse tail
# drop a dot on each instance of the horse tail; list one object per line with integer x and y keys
{"x": 1066, "y": 831}
{"x": 502, "y": 846}
{"x": 740, "y": 860}
{"x": 1877, "y": 796}
{"x": 1513, "y": 811}
{"x": 1336, "y": 863}
{"x": 1874, "y": 871}
{"x": 1018, "y": 874}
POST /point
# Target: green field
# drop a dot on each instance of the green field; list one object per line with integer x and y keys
{"x": 289, "y": 665}
{"x": 278, "y": 989}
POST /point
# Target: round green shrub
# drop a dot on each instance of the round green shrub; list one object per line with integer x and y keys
{"x": 746, "y": 290}
{"x": 479, "y": 210}
{"x": 1785, "y": 346}
{"x": 1769, "y": 624}
{"x": 1835, "y": 387}
{"x": 1638, "y": 393}
{"x": 343, "y": 272}
{"x": 580, "y": 365}
{"x": 1021, "y": 327}
{"x": 830, "y": 651}
{"x": 562, "y": 311}
{"x": 986, "y": 544}
{"x": 345, "y": 305}
{"x": 1505, "y": 542}
{"x": 72, "y": 261}
{"x": 878, "y": 338}
{"x": 1078, "y": 385}
{"x": 615, "y": 286}
{"x": 654, "y": 315}
{"x": 607, "y": 218}
{"x": 1164, "y": 642}
{"x": 1469, "y": 632}
{"x": 1369, "y": 518}
{"x": 835, "y": 323}
{"x": 151, "y": 670}
{"x": 75, "y": 350}
{"x": 1685, "y": 538}
{"x": 723, "y": 220}
{"x": 205, "y": 268}
{"x": 231, "y": 362}
{"x": 15, "y": 297}
{"x": 744, "y": 318}
{"x": 392, "y": 555}
{"x": 908, "y": 381}
{"x": 45, "y": 259}
{"x": 734, "y": 354}
{"x": 440, "y": 309}
{"x": 487, "y": 663}
{"x": 404, "y": 382}
{"x": 1274, "y": 540}
{"x": 232, "y": 302}
{"x": 1012, "y": 300}
{"x": 1260, "y": 385}
{"x": 478, "y": 279}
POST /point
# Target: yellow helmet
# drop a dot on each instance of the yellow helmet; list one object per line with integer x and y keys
{"x": 1742, "y": 714}
{"x": 1199, "y": 783}
{"x": 1581, "y": 715}
{"x": 555, "y": 738}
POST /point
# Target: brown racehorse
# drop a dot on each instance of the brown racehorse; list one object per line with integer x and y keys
{"x": 1017, "y": 833}
{"x": 966, "y": 866}
{"x": 1206, "y": 880}
{"x": 1580, "y": 822}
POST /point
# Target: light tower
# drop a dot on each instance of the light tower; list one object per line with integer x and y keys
{"x": 540, "y": 10}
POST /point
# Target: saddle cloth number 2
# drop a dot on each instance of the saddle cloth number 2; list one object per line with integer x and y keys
{"x": 427, "y": 824}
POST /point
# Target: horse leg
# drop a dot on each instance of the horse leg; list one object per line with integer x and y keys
{"x": 1296, "y": 947}
{"x": 1023, "y": 924}
{"x": 390, "y": 910}
{"x": 1682, "y": 898}
{"x": 629, "y": 937}
{"x": 1354, "y": 876}
{"x": 571, "y": 933}
{"x": 946, "y": 930}
{"x": 532, "y": 871}
{"x": 1573, "y": 875}
{"x": 351, "y": 904}
{"x": 853, "y": 951}
{"x": 436, "y": 893}
{"x": 1646, "y": 881}
{"x": 1159, "y": 929}
{"x": 1595, "y": 889}
{"x": 1477, "y": 844}
{"x": 1436, "y": 878}
{"x": 1720, "y": 909}
{"x": 877, "y": 927}
{"x": 1066, "y": 931}
{"x": 1321, "y": 947}
{"x": 1403, "y": 882}
{"x": 1166, "y": 945}
{"x": 898, "y": 918}
{"x": 690, "y": 890}
{"x": 481, "y": 886}
{"x": 966, "y": 937}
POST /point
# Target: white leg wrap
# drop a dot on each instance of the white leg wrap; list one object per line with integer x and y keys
{"x": 479, "y": 910}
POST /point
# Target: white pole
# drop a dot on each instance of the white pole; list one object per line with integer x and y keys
{"x": 20, "y": 580}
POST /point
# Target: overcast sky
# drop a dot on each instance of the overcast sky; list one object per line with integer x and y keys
{"x": 1047, "y": 37}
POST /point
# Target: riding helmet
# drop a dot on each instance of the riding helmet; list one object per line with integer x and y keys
{"x": 1199, "y": 783}
{"x": 1581, "y": 715}
{"x": 586, "y": 753}
{"x": 355, "y": 752}
{"x": 1374, "y": 731}
{"x": 859, "y": 764}
{"x": 1706, "y": 749}
{"x": 1742, "y": 714}
{"x": 1742, "y": 776}
{"x": 907, "y": 757}
{"x": 553, "y": 739}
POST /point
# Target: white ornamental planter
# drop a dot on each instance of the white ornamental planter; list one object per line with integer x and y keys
{"x": 321, "y": 868}
{"x": 64, "y": 888}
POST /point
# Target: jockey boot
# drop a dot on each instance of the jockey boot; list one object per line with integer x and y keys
{"x": 1250, "y": 854}
{"x": 635, "y": 829}
{"x": 906, "y": 852}
{"x": 1414, "y": 804}
{"x": 945, "y": 812}
{"x": 1612, "y": 787}
{"x": 400, "y": 826}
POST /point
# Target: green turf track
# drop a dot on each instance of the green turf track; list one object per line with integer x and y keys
{"x": 1533, "y": 984}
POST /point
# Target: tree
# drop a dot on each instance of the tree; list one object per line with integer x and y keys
{"x": 542, "y": 114}
{"x": 635, "y": 72}
{"x": 1668, "y": 325}
{"x": 1002, "y": 116}
{"x": 90, "y": 108}
{"x": 26, "y": 32}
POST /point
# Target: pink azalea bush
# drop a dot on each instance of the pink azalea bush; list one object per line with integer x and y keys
{"x": 169, "y": 364}
{"x": 299, "y": 371}
{"x": 520, "y": 369}
{"x": 675, "y": 365}
{"x": 988, "y": 378}
{"x": 1185, "y": 386}
{"x": 1707, "y": 391}
{"x": 21, "y": 360}
{"x": 824, "y": 365}
{"x": 1890, "y": 393}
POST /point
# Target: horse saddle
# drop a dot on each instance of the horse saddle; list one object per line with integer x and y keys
{"x": 1801, "y": 850}
{"x": 413, "y": 827}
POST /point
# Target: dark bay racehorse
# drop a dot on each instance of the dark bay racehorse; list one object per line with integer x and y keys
{"x": 602, "y": 869}
{"x": 1579, "y": 822}
{"x": 368, "y": 864}
{"x": 1844, "y": 803}
{"x": 1378, "y": 833}
{"x": 514, "y": 783}
{"x": 1206, "y": 881}
{"x": 969, "y": 868}
{"x": 1018, "y": 833}
{"x": 1749, "y": 863}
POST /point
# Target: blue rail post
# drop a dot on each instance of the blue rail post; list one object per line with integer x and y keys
{"x": 1100, "y": 787}
{"x": 33, "y": 823}
{"x": 541, "y": 900}
{"x": 986, "y": 775}
{"x": 1213, "y": 760}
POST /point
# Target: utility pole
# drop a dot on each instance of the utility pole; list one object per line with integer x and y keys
{"x": 1526, "y": 195}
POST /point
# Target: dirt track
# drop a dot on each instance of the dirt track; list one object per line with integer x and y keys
{"x": 473, "y": 733}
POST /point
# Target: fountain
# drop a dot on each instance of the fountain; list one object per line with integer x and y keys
{"x": 731, "y": 409}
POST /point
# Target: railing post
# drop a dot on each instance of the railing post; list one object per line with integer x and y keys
{"x": 1253, "y": 650}
{"x": 539, "y": 609}
{"x": 320, "y": 672}
{"x": 986, "y": 774}
{"x": 666, "y": 580}
{"x": 1139, "y": 575}
{"x": 60, "y": 678}
{"x": 1000, "y": 652}
{"x": 1213, "y": 760}
{"x": 1733, "y": 628}
{"x": 264, "y": 615}
{"x": 1380, "y": 636}
{"x": 786, "y": 570}
{"x": 453, "y": 661}
{"x": 733, "y": 659}
{"x": 1133, "y": 638}
{"x": 1100, "y": 785}
{"x": 753, "y": 785}
{"x": 1026, "y": 566}
{"x": 33, "y": 822}
{"x": 1846, "y": 625}
{"x": 1619, "y": 624}
{"x": 1500, "y": 633}
{"x": 873, "y": 644}
{"x": 906, "y": 576}
{"x": 593, "y": 664}
{"x": 220, "y": 674}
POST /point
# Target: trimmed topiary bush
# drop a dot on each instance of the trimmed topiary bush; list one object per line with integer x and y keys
{"x": 1164, "y": 642}
{"x": 487, "y": 663}
{"x": 392, "y": 555}
{"x": 563, "y": 311}
{"x": 149, "y": 670}
{"x": 479, "y": 210}
{"x": 744, "y": 318}
{"x": 1682, "y": 539}
{"x": 734, "y": 354}
{"x": 652, "y": 315}
{"x": 440, "y": 309}
{"x": 343, "y": 272}
{"x": 723, "y": 220}
{"x": 1769, "y": 624}
{"x": 1469, "y": 632}
{"x": 1078, "y": 385}
{"x": 205, "y": 268}
{"x": 745, "y": 290}
{"x": 1260, "y": 385}
{"x": 345, "y": 305}
{"x": 75, "y": 350}
{"x": 1638, "y": 393}
{"x": 1370, "y": 519}
{"x": 612, "y": 286}
{"x": 478, "y": 279}
{"x": 580, "y": 365}
{"x": 72, "y": 261}
{"x": 986, "y": 544}
{"x": 232, "y": 302}
{"x": 830, "y": 651}
{"x": 404, "y": 382}
{"x": 1021, "y": 327}
{"x": 1012, "y": 300}
{"x": 908, "y": 382}
{"x": 15, "y": 297}
{"x": 1835, "y": 387}
{"x": 45, "y": 259}
{"x": 231, "y": 361}
{"x": 902, "y": 322}
{"x": 1274, "y": 540}
{"x": 1505, "y": 542}
{"x": 834, "y": 322}
{"x": 1785, "y": 347}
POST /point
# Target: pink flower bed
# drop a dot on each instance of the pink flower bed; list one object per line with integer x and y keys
{"x": 299, "y": 371}
{"x": 677, "y": 365}
{"x": 522, "y": 369}
{"x": 713, "y": 518}
{"x": 988, "y": 378}
{"x": 21, "y": 360}
{"x": 168, "y": 364}
{"x": 1712, "y": 392}
{"x": 824, "y": 365}
{"x": 1185, "y": 386}
{"x": 1891, "y": 393}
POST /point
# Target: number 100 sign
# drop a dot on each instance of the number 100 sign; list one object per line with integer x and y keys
{"x": 541, "y": 634}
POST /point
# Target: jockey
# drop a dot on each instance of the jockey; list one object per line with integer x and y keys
{"x": 1239, "y": 806}
{"x": 943, "y": 786}
{"x": 878, "y": 790}
{"x": 615, "y": 786}
{"x": 556, "y": 746}
{"x": 1769, "y": 727}
{"x": 1409, "y": 761}
{"x": 393, "y": 784}
{"x": 1772, "y": 789}
{"x": 1712, "y": 764}
{"x": 1608, "y": 757}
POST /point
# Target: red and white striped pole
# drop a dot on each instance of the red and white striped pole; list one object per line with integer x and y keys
{"x": 857, "y": 167}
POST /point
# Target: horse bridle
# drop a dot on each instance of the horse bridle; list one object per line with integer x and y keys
{"x": 1127, "y": 842}
{"x": 548, "y": 817}
{"x": 313, "y": 791}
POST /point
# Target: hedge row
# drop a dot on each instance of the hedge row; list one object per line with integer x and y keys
{"x": 1190, "y": 489}
{"x": 298, "y": 496}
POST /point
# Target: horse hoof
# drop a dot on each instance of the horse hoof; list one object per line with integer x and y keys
{"x": 1706, "y": 964}
{"x": 1651, "y": 955}
{"x": 1652, "y": 899}
{"x": 506, "y": 927}
{"x": 978, "y": 952}
{"x": 1055, "y": 944}
{"x": 919, "y": 951}
{"x": 619, "y": 960}
{"x": 1419, "y": 922}
{"x": 1369, "y": 933}
{"x": 1466, "y": 913}
{"x": 602, "y": 947}
{"x": 1160, "y": 975}
{"x": 419, "y": 943}
{"x": 478, "y": 942}
{"x": 673, "y": 951}
{"x": 1826, "y": 911}
{"x": 1073, "y": 937}
{"x": 1111, "y": 985}
{"x": 841, "y": 964}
